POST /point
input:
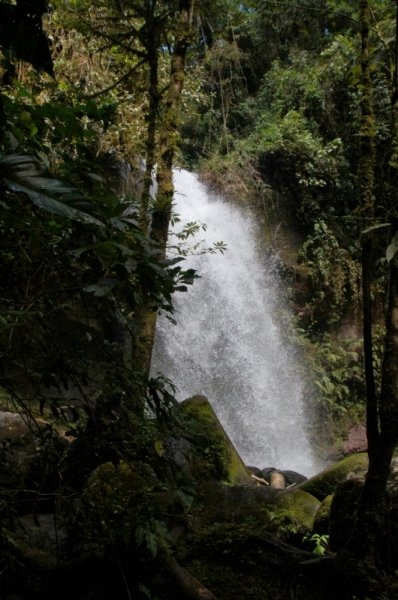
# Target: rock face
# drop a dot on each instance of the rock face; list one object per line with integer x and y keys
{"x": 356, "y": 440}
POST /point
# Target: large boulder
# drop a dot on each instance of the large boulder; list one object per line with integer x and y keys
{"x": 325, "y": 483}
{"x": 344, "y": 481}
{"x": 289, "y": 514}
{"x": 206, "y": 451}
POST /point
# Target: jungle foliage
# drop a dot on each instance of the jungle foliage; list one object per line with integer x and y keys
{"x": 78, "y": 270}
{"x": 294, "y": 102}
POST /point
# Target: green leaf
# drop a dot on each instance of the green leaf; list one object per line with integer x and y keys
{"x": 140, "y": 534}
{"x": 102, "y": 288}
{"x": 392, "y": 248}
{"x": 144, "y": 590}
{"x": 27, "y": 174}
{"x": 159, "y": 447}
{"x": 151, "y": 543}
{"x": 184, "y": 498}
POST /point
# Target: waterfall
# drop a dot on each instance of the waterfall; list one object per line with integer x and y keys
{"x": 227, "y": 344}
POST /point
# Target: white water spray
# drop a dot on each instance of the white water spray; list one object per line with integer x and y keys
{"x": 227, "y": 345}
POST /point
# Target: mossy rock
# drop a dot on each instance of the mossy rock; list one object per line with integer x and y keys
{"x": 213, "y": 457}
{"x": 324, "y": 483}
{"x": 115, "y": 500}
{"x": 285, "y": 513}
{"x": 322, "y": 517}
{"x": 343, "y": 511}
{"x": 24, "y": 444}
{"x": 117, "y": 488}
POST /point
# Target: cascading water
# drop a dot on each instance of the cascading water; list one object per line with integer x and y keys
{"x": 227, "y": 345}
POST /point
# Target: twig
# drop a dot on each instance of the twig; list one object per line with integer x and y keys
{"x": 260, "y": 480}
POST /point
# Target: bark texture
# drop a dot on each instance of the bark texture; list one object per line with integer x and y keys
{"x": 169, "y": 133}
{"x": 362, "y": 561}
{"x": 151, "y": 42}
{"x": 167, "y": 146}
{"x": 372, "y": 421}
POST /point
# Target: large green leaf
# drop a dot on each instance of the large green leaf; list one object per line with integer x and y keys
{"x": 27, "y": 174}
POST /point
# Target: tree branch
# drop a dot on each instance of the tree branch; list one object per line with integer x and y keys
{"x": 113, "y": 85}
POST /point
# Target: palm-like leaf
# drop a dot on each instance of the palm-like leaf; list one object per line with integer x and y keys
{"x": 25, "y": 173}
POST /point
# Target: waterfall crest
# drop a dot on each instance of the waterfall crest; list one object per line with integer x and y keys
{"x": 227, "y": 344}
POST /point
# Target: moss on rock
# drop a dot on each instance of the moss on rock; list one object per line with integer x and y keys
{"x": 214, "y": 456}
{"x": 285, "y": 513}
{"x": 324, "y": 483}
{"x": 116, "y": 499}
{"x": 322, "y": 517}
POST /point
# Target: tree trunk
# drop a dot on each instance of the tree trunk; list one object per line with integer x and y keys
{"x": 164, "y": 196}
{"x": 365, "y": 176}
{"x": 367, "y": 134}
{"x": 150, "y": 141}
{"x": 361, "y": 562}
{"x": 169, "y": 133}
{"x": 372, "y": 421}
{"x": 151, "y": 45}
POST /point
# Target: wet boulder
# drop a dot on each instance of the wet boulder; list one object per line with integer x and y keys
{"x": 255, "y": 471}
{"x": 293, "y": 478}
{"x": 290, "y": 477}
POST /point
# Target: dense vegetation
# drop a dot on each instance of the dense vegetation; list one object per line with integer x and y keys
{"x": 293, "y": 105}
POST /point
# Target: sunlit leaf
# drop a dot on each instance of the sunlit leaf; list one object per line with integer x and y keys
{"x": 151, "y": 543}
{"x": 392, "y": 248}
{"x": 102, "y": 287}
{"x": 159, "y": 447}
